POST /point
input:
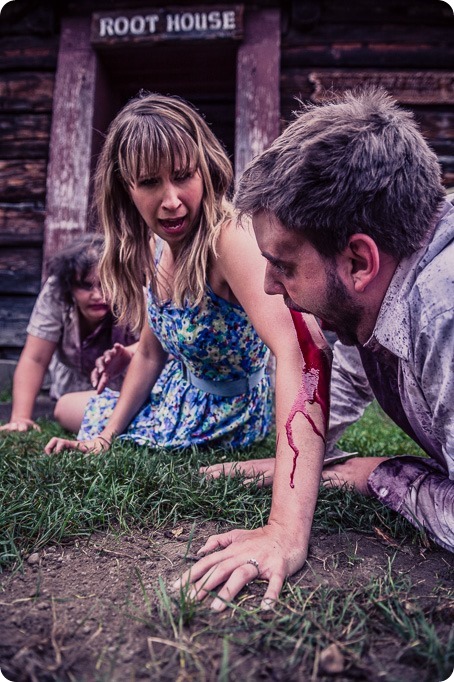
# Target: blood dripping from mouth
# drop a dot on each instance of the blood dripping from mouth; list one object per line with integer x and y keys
{"x": 314, "y": 385}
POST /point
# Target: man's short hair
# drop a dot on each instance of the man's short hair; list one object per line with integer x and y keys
{"x": 356, "y": 163}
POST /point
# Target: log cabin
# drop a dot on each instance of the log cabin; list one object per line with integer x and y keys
{"x": 68, "y": 66}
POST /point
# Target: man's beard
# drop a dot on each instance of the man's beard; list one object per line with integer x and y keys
{"x": 343, "y": 314}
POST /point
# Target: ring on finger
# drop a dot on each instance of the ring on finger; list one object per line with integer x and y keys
{"x": 254, "y": 563}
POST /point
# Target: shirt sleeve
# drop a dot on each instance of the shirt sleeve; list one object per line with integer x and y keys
{"x": 420, "y": 490}
{"x": 350, "y": 393}
{"x": 435, "y": 372}
{"x": 47, "y": 318}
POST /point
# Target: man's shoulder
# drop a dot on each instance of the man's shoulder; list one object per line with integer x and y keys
{"x": 432, "y": 294}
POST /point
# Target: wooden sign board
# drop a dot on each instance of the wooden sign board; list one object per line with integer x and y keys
{"x": 172, "y": 23}
{"x": 409, "y": 87}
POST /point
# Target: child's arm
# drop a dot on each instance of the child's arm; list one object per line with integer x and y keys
{"x": 27, "y": 382}
{"x": 111, "y": 364}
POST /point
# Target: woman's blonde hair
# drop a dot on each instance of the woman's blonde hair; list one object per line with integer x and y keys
{"x": 150, "y": 131}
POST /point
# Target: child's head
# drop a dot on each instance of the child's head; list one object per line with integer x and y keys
{"x": 75, "y": 263}
{"x": 152, "y": 132}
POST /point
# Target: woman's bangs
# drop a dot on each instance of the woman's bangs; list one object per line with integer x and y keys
{"x": 150, "y": 145}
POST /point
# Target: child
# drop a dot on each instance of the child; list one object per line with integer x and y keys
{"x": 70, "y": 326}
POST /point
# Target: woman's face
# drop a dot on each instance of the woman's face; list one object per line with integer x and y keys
{"x": 89, "y": 299}
{"x": 170, "y": 203}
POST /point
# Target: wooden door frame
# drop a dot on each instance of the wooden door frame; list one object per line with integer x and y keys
{"x": 78, "y": 82}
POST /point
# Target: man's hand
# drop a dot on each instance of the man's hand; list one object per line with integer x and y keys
{"x": 109, "y": 365}
{"x": 259, "y": 471}
{"x": 354, "y": 473}
{"x": 95, "y": 446}
{"x": 21, "y": 424}
{"x": 243, "y": 556}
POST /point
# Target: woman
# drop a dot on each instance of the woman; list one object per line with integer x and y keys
{"x": 198, "y": 374}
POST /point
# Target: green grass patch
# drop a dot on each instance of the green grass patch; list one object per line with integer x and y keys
{"x": 48, "y": 498}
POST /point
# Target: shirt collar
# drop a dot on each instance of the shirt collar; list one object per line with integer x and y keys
{"x": 392, "y": 328}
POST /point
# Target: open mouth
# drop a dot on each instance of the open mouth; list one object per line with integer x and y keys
{"x": 173, "y": 225}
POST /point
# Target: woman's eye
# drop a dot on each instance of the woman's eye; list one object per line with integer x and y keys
{"x": 181, "y": 177}
{"x": 147, "y": 182}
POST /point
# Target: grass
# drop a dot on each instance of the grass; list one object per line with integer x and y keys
{"x": 46, "y": 499}
{"x": 49, "y": 499}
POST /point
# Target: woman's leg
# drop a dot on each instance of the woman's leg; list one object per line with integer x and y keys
{"x": 70, "y": 408}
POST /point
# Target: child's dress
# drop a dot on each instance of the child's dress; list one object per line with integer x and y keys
{"x": 216, "y": 342}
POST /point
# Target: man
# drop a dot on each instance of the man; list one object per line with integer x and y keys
{"x": 350, "y": 213}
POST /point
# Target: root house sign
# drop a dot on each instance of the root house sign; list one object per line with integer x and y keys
{"x": 172, "y": 23}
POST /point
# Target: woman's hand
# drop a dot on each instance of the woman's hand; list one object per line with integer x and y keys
{"x": 21, "y": 424}
{"x": 244, "y": 555}
{"x": 94, "y": 447}
{"x": 109, "y": 365}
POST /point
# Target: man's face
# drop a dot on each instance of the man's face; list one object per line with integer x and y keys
{"x": 308, "y": 282}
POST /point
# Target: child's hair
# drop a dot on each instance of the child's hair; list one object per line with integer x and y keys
{"x": 152, "y": 131}
{"x": 75, "y": 262}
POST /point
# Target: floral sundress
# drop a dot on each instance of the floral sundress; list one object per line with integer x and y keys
{"x": 216, "y": 341}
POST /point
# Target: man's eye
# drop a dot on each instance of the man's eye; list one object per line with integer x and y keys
{"x": 280, "y": 268}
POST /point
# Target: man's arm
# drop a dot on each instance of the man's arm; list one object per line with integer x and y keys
{"x": 350, "y": 393}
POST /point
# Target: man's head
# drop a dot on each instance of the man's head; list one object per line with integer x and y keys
{"x": 354, "y": 164}
{"x": 348, "y": 190}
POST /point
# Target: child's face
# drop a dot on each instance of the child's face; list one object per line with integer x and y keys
{"x": 169, "y": 203}
{"x": 88, "y": 297}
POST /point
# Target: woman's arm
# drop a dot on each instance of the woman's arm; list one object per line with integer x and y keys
{"x": 27, "y": 382}
{"x": 144, "y": 369}
{"x": 280, "y": 547}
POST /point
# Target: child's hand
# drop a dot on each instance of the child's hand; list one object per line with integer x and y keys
{"x": 21, "y": 424}
{"x": 109, "y": 365}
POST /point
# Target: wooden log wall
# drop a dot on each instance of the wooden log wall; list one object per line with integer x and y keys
{"x": 28, "y": 55}
{"x": 406, "y": 46}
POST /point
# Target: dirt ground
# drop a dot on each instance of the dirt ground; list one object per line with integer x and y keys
{"x": 90, "y": 610}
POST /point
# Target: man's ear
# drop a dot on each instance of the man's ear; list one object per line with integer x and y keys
{"x": 362, "y": 259}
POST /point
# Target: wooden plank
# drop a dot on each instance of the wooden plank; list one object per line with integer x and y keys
{"x": 28, "y": 52}
{"x": 436, "y": 124}
{"x": 420, "y": 12}
{"x": 71, "y": 142}
{"x": 24, "y": 136}
{"x": 20, "y": 270}
{"x": 347, "y": 53}
{"x": 386, "y": 33}
{"x": 22, "y": 180}
{"x": 21, "y": 223}
{"x": 37, "y": 18}
{"x": 26, "y": 91}
{"x": 15, "y": 313}
{"x": 257, "y": 97}
{"x": 409, "y": 87}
